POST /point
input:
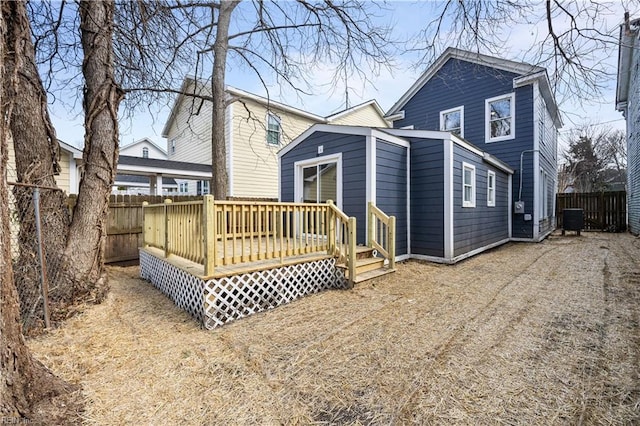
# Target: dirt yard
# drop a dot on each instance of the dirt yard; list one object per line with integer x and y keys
{"x": 543, "y": 333}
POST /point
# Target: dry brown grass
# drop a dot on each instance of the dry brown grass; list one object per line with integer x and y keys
{"x": 529, "y": 333}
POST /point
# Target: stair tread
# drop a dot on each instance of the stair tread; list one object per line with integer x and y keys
{"x": 364, "y": 261}
{"x": 365, "y": 276}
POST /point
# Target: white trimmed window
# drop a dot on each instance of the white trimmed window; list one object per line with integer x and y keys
{"x": 468, "y": 185}
{"x": 452, "y": 120}
{"x": 273, "y": 129}
{"x": 202, "y": 187}
{"x": 183, "y": 187}
{"x": 491, "y": 189}
{"x": 500, "y": 118}
{"x": 145, "y": 152}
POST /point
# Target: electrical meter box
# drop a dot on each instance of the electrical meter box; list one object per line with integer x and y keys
{"x": 518, "y": 207}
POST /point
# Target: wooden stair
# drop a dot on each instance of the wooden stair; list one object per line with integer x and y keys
{"x": 367, "y": 266}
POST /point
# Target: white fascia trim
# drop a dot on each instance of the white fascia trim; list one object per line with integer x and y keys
{"x": 466, "y": 145}
{"x": 487, "y": 115}
{"x": 473, "y": 57}
{"x": 344, "y": 130}
{"x": 149, "y": 141}
{"x": 448, "y": 199}
{"x": 75, "y": 152}
{"x": 229, "y": 142}
{"x": 411, "y": 127}
{"x": 497, "y": 163}
{"x": 299, "y": 165}
{"x": 479, "y": 250}
{"x": 544, "y": 86}
{"x": 510, "y": 205}
{"x": 348, "y": 111}
{"x": 395, "y": 117}
{"x": 176, "y": 105}
{"x": 425, "y": 134}
{"x": 448, "y": 111}
{"x": 273, "y": 104}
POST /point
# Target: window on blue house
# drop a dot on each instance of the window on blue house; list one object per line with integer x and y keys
{"x": 500, "y": 115}
{"x": 452, "y": 120}
{"x": 273, "y": 129}
{"x": 468, "y": 185}
{"x": 491, "y": 188}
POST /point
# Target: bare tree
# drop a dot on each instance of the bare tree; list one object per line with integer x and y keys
{"x": 27, "y": 389}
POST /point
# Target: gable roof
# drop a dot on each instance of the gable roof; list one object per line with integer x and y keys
{"x": 77, "y": 153}
{"x": 139, "y": 141}
{"x": 527, "y": 72}
{"x": 355, "y": 108}
{"x": 625, "y": 57}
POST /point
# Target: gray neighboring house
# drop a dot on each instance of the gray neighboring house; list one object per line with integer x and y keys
{"x": 628, "y": 102}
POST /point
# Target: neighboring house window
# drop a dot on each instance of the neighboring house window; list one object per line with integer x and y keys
{"x": 202, "y": 187}
{"x": 491, "y": 188}
{"x": 452, "y": 120}
{"x": 145, "y": 152}
{"x": 183, "y": 187}
{"x": 172, "y": 146}
{"x": 468, "y": 185}
{"x": 500, "y": 114}
{"x": 273, "y": 129}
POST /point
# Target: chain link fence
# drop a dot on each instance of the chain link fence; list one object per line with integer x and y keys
{"x": 36, "y": 251}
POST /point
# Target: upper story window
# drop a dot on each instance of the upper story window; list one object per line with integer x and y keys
{"x": 183, "y": 187}
{"x": 452, "y": 120}
{"x": 468, "y": 185}
{"x": 145, "y": 152}
{"x": 500, "y": 118}
{"x": 491, "y": 188}
{"x": 273, "y": 129}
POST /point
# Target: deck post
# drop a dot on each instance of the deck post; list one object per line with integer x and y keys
{"x": 352, "y": 250}
{"x": 209, "y": 219}
{"x": 331, "y": 229}
{"x": 166, "y": 227}
{"x": 145, "y": 241}
{"x": 281, "y": 234}
{"x": 371, "y": 219}
{"x": 391, "y": 240}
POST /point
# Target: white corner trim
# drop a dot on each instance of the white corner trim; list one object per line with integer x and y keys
{"x": 371, "y": 175}
{"x": 448, "y": 198}
{"x": 510, "y": 206}
{"x": 409, "y": 200}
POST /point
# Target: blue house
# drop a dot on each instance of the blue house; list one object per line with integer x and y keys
{"x": 470, "y": 163}
{"x": 503, "y": 107}
{"x": 451, "y": 200}
{"x": 628, "y": 101}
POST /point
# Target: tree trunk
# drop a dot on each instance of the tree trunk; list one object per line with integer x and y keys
{"x": 36, "y": 158}
{"x": 27, "y": 389}
{"x": 219, "y": 180}
{"x": 102, "y": 96}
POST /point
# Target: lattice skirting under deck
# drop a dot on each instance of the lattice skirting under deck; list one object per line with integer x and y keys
{"x": 219, "y": 301}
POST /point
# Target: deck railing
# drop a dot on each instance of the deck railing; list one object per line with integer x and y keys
{"x": 382, "y": 233}
{"x": 222, "y": 233}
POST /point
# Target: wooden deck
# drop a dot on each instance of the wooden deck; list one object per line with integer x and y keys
{"x": 197, "y": 269}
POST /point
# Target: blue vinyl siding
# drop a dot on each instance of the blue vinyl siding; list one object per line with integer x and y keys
{"x": 479, "y": 226}
{"x": 354, "y": 185}
{"x": 427, "y": 197}
{"x": 460, "y": 83}
{"x": 391, "y": 188}
{"x": 633, "y": 142}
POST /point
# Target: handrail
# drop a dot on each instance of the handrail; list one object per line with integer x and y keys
{"x": 382, "y": 233}
{"x": 342, "y": 238}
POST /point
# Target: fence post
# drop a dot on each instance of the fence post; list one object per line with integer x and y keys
{"x": 391, "y": 240}
{"x": 44, "y": 285}
{"x": 352, "y": 250}
{"x": 144, "y": 225}
{"x": 209, "y": 219}
{"x": 166, "y": 227}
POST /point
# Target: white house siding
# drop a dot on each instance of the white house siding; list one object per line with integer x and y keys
{"x": 135, "y": 150}
{"x": 633, "y": 140}
{"x": 365, "y": 116}
{"x": 191, "y": 130}
{"x": 255, "y": 163}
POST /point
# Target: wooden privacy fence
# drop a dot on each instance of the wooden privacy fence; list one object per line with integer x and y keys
{"x": 603, "y": 211}
{"x": 222, "y": 233}
{"x": 124, "y": 223}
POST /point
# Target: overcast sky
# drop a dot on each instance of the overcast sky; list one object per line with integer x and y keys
{"x": 386, "y": 88}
